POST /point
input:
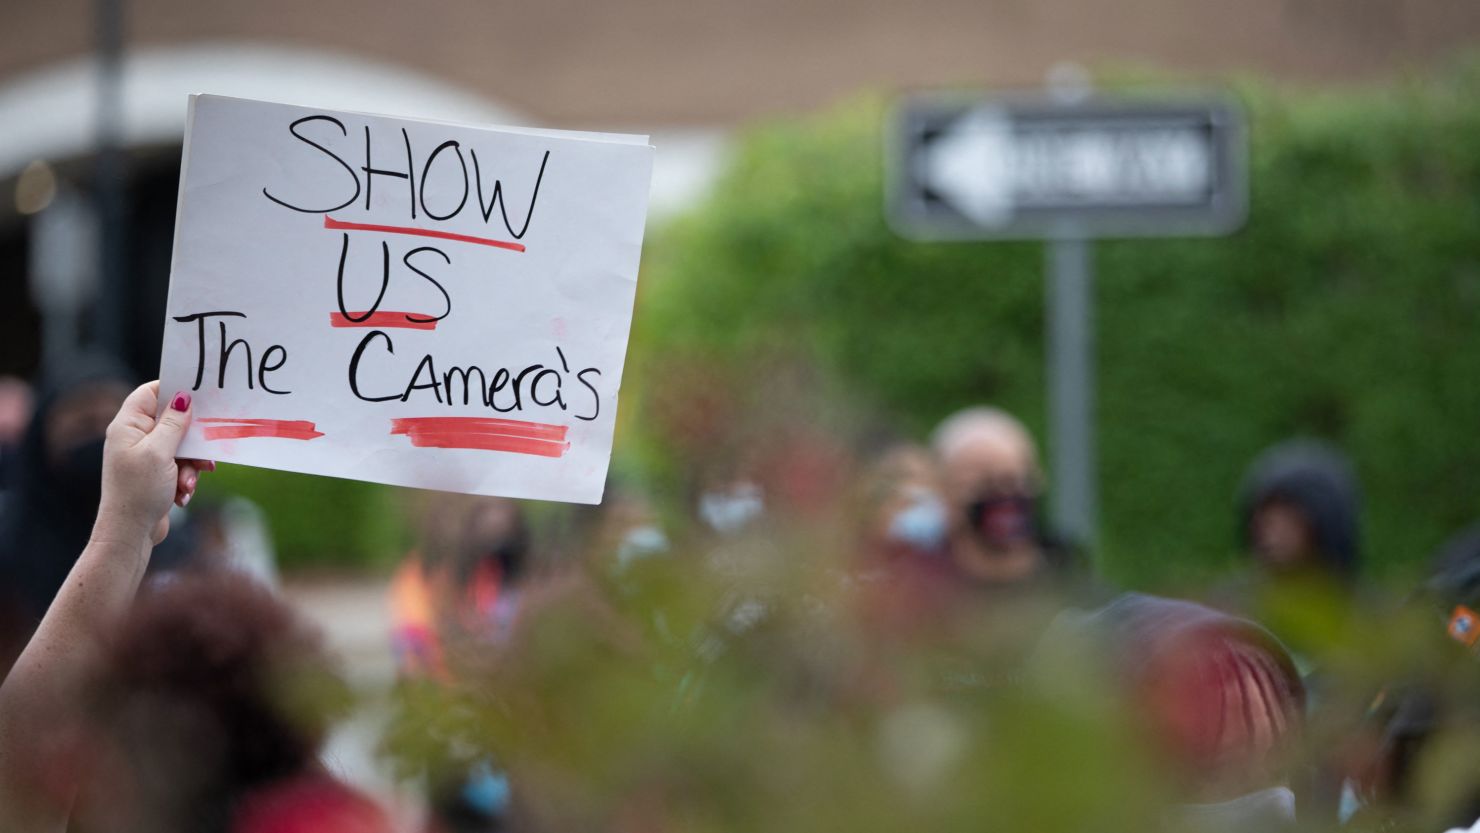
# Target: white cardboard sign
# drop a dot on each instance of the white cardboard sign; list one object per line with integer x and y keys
{"x": 405, "y": 302}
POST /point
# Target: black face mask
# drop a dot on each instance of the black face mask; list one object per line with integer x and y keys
{"x": 1001, "y": 521}
{"x": 509, "y": 553}
{"x": 510, "y": 557}
{"x": 78, "y": 473}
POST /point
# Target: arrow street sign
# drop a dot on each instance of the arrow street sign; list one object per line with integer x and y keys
{"x": 1043, "y": 168}
{"x": 1067, "y": 170}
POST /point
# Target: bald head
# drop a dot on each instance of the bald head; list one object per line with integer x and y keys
{"x": 985, "y": 449}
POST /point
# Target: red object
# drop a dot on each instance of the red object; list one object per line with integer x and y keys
{"x": 485, "y": 434}
{"x": 384, "y": 319}
{"x": 1464, "y": 626}
{"x": 181, "y": 402}
{"x": 331, "y": 223}
{"x": 222, "y": 428}
{"x": 309, "y": 804}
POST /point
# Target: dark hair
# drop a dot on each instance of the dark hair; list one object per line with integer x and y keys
{"x": 1318, "y": 480}
{"x": 211, "y": 689}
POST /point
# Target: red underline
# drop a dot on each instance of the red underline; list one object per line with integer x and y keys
{"x": 238, "y": 429}
{"x": 484, "y": 434}
{"x": 331, "y": 223}
{"x": 384, "y": 319}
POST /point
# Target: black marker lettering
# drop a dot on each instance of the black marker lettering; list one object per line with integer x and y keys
{"x": 446, "y": 299}
{"x": 200, "y": 334}
{"x": 264, "y": 368}
{"x": 534, "y": 389}
{"x": 293, "y": 128}
{"x": 226, "y": 357}
{"x": 502, "y": 201}
{"x": 595, "y": 397}
{"x": 354, "y": 366}
{"x": 426, "y": 172}
{"x": 371, "y": 172}
{"x": 519, "y": 384}
{"x": 436, "y": 387}
{"x": 467, "y": 383}
{"x": 385, "y": 278}
{"x": 500, "y": 381}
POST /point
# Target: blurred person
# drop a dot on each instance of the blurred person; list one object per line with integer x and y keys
{"x": 1298, "y": 512}
{"x": 462, "y": 591}
{"x": 907, "y": 520}
{"x": 451, "y": 604}
{"x": 16, "y": 404}
{"x": 628, "y": 530}
{"x": 1416, "y": 768}
{"x": 905, "y": 574}
{"x": 48, "y": 514}
{"x": 1298, "y": 516}
{"x": 51, "y": 509}
{"x": 188, "y": 708}
{"x": 989, "y": 464}
{"x": 1220, "y": 701}
{"x": 491, "y": 566}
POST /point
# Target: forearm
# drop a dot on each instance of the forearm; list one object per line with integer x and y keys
{"x": 41, "y": 702}
{"x": 90, "y": 605}
{"x": 41, "y": 699}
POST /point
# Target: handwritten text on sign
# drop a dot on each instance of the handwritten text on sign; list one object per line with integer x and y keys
{"x": 405, "y": 302}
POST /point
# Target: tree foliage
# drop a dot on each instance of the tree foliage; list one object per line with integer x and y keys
{"x": 1346, "y": 309}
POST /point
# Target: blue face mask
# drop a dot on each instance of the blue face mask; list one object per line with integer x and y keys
{"x": 730, "y": 510}
{"x": 640, "y": 542}
{"x": 922, "y": 525}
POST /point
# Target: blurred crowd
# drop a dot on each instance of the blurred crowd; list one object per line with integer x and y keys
{"x": 814, "y": 637}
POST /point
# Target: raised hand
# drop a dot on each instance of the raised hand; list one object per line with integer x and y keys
{"x": 141, "y": 476}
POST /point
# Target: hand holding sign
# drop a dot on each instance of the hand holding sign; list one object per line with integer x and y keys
{"x": 404, "y": 302}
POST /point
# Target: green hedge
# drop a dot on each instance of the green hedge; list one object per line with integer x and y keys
{"x": 1348, "y": 308}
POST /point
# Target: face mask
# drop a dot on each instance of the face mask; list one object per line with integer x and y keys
{"x": 78, "y": 472}
{"x": 509, "y": 555}
{"x": 920, "y": 526}
{"x": 1004, "y": 520}
{"x": 639, "y": 543}
{"x": 729, "y": 511}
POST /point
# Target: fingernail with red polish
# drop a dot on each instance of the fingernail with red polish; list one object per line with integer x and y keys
{"x": 185, "y": 500}
{"x": 181, "y": 402}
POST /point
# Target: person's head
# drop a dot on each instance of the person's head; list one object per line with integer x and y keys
{"x": 213, "y": 689}
{"x": 905, "y": 512}
{"x": 1221, "y": 697}
{"x": 989, "y": 469}
{"x": 63, "y": 448}
{"x": 1298, "y": 511}
{"x": 1413, "y": 752}
{"x": 494, "y": 534}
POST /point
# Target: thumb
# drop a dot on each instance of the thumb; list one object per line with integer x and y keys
{"x": 169, "y": 431}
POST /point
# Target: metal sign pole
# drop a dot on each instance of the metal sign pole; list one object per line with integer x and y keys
{"x": 1071, "y": 370}
{"x": 113, "y": 316}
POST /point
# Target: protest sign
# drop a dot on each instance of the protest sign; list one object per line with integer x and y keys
{"x": 401, "y": 301}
